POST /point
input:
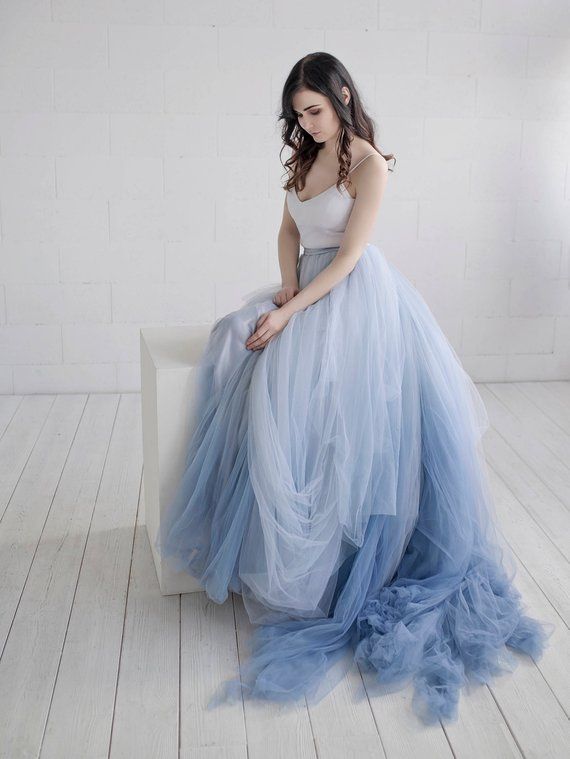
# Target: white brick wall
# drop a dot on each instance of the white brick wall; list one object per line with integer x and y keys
{"x": 140, "y": 177}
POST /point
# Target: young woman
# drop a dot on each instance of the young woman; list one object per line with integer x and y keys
{"x": 335, "y": 476}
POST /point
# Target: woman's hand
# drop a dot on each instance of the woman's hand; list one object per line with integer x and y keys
{"x": 285, "y": 294}
{"x": 267, "y": 326}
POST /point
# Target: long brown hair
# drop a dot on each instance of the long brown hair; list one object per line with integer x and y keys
{"x": 322, "y": 72}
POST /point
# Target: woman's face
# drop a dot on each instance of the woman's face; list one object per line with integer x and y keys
{"x": 316, "y": 115}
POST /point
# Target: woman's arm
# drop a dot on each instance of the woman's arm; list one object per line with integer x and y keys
{"x": 370, "y": 187}
{"x": 288, "y": 241}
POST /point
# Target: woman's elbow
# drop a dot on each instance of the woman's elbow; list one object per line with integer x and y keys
{"x": 289, "y": 232}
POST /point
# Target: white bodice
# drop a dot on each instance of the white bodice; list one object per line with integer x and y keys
{"x": 322, "y": 219}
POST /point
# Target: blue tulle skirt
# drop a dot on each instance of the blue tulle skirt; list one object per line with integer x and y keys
{"x": 336, "y": 480}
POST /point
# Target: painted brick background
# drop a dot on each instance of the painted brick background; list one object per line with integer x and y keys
{"x": 140, "y": 181}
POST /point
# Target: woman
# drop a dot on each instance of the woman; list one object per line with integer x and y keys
{"x": 335, "y": 476}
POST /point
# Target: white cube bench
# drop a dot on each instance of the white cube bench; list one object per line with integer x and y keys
{"x": 168, "y": 358}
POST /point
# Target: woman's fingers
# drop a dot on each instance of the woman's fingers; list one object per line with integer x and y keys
{"x": 262, "y": 344}
{"x": 255, "y": 342}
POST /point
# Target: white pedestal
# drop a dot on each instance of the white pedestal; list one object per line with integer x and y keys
{"x": 168, "y": 357}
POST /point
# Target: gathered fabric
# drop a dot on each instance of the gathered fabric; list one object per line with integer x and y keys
{"x": 336, "y": 480}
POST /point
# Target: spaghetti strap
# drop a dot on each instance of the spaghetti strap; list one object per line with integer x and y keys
{"x": 361, "y": 160}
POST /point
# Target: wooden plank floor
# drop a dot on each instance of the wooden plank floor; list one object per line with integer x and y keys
{"x": 96, "y": 663}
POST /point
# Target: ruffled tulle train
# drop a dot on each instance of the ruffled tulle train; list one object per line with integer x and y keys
{"x": 336, "y": 480}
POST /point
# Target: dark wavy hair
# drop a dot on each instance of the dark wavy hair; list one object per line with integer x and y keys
{"x": 322, "y": 72}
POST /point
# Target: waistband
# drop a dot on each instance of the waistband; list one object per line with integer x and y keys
{"x": 316, "y": 251}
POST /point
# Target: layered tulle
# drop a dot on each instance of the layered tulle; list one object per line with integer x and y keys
{"x": 336, "y": 480}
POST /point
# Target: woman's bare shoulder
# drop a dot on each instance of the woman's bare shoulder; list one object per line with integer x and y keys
{"x": 363, "y": 148}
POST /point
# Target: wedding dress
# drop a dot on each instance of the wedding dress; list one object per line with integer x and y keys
{"x": 336, "y": 480}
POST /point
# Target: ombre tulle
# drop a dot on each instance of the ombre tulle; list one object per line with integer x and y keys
{"x": 336, "y": 480}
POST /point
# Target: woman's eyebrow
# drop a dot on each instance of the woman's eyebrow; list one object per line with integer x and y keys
{"x": 307, "y": 108}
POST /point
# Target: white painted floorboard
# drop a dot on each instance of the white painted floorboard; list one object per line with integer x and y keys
{"x": 94, "y": 662}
